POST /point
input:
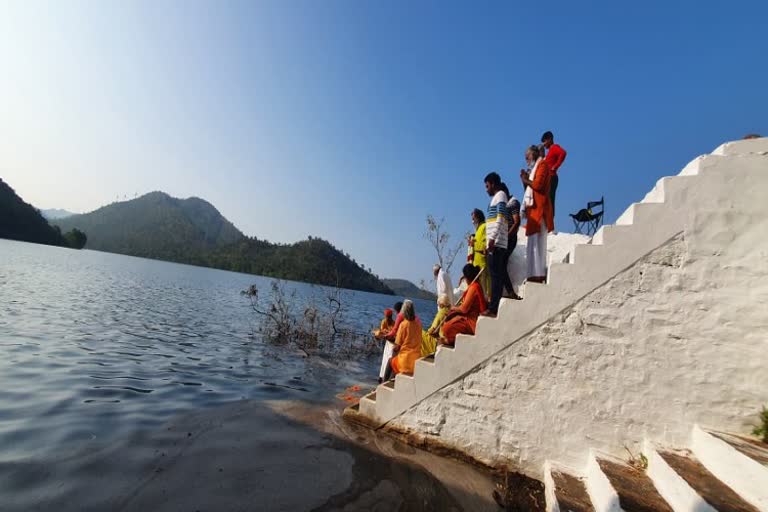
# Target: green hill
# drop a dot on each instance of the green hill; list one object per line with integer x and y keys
{"x": 313, "y": 260}
{"x": 407, "y": 289}
{"x": 22, "y": 221}
{"x": 156, "y": 226}
{"x": 193, "y": 231}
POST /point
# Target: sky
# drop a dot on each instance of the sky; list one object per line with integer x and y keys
{"x": 354, "y": 120}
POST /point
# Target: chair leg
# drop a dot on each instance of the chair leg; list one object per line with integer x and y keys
{"x": 576, "y": 228}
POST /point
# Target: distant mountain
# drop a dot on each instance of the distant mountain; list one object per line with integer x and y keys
{"x": 193, "y": 231}
{"x": 22, "y": 221}
{"x": 156, "y": 226}
{"x": 55, "y": 213}
{"x": 407, "y": 289}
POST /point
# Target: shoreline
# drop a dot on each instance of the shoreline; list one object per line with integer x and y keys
{"x": 264, "y": 455}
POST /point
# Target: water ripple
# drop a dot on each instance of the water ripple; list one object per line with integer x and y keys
{"x": 94, "y": 346}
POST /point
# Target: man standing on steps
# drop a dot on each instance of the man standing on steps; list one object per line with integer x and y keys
{"x": 555, "y": 158}
{"x": 496, "y": 233}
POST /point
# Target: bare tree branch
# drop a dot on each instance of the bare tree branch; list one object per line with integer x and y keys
{"x": 441, "y": 242}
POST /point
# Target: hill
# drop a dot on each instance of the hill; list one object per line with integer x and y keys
{"x": 313, "y": 260}
{"x": 22, "y": 221}
{"x": 407, "y": 289}
{"x": 193, "y": 231}
{"x": 56, "y": 213}
{"x": 156, "y": 226}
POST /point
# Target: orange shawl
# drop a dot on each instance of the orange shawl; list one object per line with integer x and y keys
{"x": 541, "y": 211}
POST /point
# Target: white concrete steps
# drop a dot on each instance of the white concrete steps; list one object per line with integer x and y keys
{"x": 744, "y": 470}
{"x": 642, "y": 228}
{"x": 674, "y": 480}
{"x": 564, "y": 491}
{"x": 741, "y": 147}
{"x": 689, "y": 476}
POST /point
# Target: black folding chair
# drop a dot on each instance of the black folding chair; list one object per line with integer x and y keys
{"x": 588, "y": 220}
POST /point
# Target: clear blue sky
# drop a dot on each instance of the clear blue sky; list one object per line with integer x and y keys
{"x": 352, "y": 120}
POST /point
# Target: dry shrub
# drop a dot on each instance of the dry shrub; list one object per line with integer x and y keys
{"x": 321, "y": 328}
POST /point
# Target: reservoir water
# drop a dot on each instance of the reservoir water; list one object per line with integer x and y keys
{"x": 97, "y": 346}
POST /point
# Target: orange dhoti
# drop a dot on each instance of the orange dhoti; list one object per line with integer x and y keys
{"x": 464, "y": 319}
{"x": 459, "y": 324}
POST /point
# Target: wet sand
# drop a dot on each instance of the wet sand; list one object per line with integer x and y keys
{"x": 256, "y": 455}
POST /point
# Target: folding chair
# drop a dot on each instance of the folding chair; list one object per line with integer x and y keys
{"x": 588, "y": 220}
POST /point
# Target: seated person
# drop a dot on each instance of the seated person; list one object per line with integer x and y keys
{"x": 387, "y": 323}
{"x": 390, "y": 336}
{"x": 430, "y": 336}
{"x": 387, "y": 355}
{"x": 407, "y": 347}
{"x": 462, "y": 319}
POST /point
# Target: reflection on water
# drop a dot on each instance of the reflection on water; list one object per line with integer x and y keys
{"x": 96, "y": 345}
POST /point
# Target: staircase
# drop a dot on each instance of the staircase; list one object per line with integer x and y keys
{"x": 718, "y": 472}
{"x": 643, "y": 227}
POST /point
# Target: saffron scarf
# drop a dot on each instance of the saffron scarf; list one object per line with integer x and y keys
{"x": 528, "y": 196}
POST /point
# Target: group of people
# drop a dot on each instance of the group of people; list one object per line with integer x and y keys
{"x": 485, "y": 273}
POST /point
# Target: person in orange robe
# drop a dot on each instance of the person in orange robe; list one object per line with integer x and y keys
{"x": 538, "y": 212}
{"x": 407, "y": 342}
{"x": 463, "y": 318}
{"x": 387, "y": 323}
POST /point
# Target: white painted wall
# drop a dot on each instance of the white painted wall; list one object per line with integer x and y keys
{"x": 681, "y": 337}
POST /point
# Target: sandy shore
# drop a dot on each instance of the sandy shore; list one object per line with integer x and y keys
{"x": 270, "y": 456}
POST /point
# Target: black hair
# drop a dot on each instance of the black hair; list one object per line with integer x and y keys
{"x": 477, "y": 212}
{"x": 398, "y": 306}
{"x": 493, "y": 178}
{"x": 503, "y": 187}
{"x": 470, "y": 272}
{"x": 547, "y": 136}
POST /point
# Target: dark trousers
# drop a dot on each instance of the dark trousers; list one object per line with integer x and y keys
{"x": 553, "y": 191}
{"x": 507, "y": 281}
{"x": 495, "y": 262}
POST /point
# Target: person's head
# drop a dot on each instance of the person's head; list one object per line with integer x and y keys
{"x": 503, "y": 187}
{"x": 478, "y": 217}
{"x": 492, "y": 183}
{"x": 398, "y": 306}
{"x": 532, "y": 154}
{"x": 436, "y": 269}
{"x": 470, "y": 272}
{"x": 409, "y": 312}
{"x": 442, "y": 301}
{"x": 547, "y": 139}
{"x": 388, "y": 313}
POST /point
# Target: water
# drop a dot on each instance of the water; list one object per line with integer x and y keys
{"x": 94, "y": 346}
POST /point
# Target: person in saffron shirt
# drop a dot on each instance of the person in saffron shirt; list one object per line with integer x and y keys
{"x": 538, "y": 212}
{"x": 555, "y": 158}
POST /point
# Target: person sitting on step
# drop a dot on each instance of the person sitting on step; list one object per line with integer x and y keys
{"x": 462, "y": 319}
{"x": 388, "y": 345}
{"x": 430, "y": 336}
{"x": 407, "y": 347}
{"x": 387, "y": 323}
